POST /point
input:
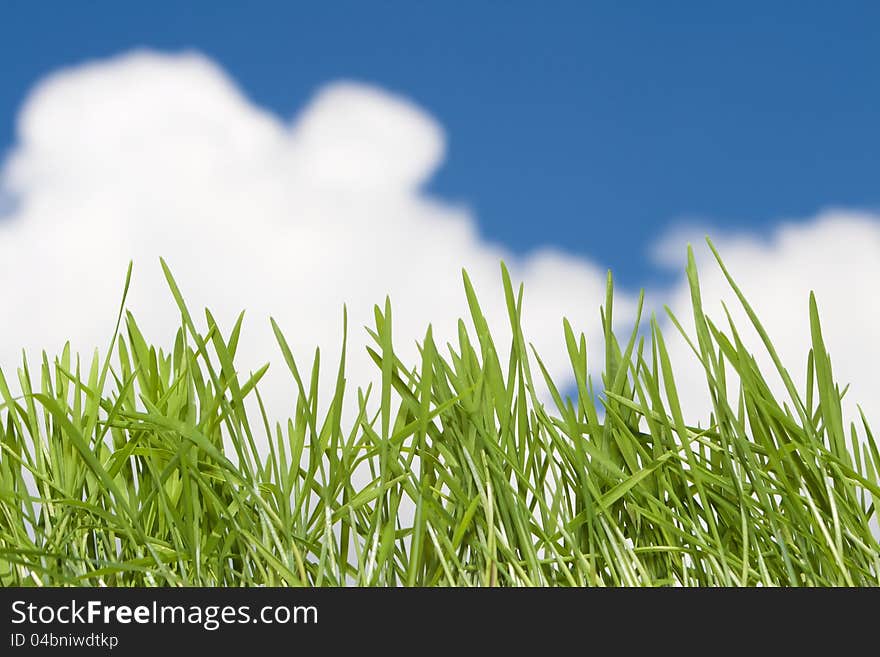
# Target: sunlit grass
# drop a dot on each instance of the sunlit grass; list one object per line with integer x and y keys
{"x": 151, "y": 466}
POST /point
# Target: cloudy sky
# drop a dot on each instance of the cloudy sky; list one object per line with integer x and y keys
{"x": 287, "y": 159}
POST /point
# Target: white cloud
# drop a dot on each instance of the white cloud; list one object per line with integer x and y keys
{"x": 147, "y": 155}
{"x": 836, "y": 255}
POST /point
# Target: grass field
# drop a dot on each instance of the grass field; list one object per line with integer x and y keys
{"x": 145, "y": 467}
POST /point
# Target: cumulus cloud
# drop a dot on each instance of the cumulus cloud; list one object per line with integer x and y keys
{"x": 150, "y": 155}
{"x": 836, "y": 255}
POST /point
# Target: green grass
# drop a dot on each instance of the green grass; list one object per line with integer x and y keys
{"x": 153, "y": 467}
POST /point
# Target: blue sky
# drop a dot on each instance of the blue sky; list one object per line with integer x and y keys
{"x": 591, "y": 126}
{"x": 595, "y": 128}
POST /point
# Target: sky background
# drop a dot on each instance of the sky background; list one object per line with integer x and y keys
{"x": 591, "y": 126}
{"x": 289, "y": 158}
